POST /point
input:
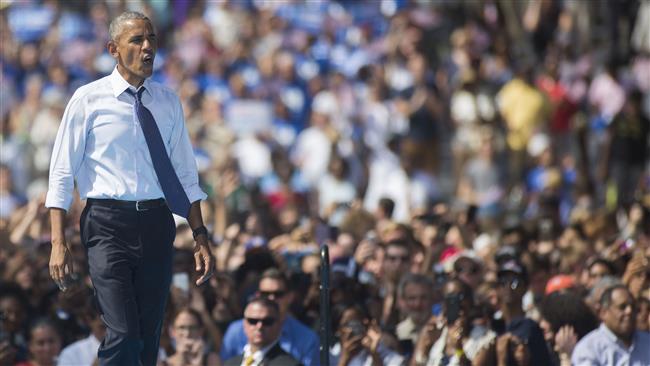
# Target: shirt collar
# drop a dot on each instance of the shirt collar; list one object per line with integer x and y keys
{"x": 614, "y": 338}
{"x": 260, "y": 354}
{"x": 119, "y": 85}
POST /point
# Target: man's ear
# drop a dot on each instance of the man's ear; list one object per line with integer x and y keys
{"x": 601, "y": 312}
{"x": 111, "y": 46}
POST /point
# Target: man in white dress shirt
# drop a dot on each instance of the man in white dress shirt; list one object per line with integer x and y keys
{"x": 84, "y": 351}
{"x": 123, "y": 140}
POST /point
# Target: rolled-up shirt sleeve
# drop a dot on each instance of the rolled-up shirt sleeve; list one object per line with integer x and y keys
{"x": 67, "y": 155}
{"x": 182, "y": 157}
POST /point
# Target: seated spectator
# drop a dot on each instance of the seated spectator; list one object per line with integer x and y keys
{"x": 191, "y": 349}
{"x": 84, "y": 352}
{"x": 295, "y": 338}
{"x": 13, "y": 307}
{"x": 262, "y": 327}
{"x": 616, "y": 341}
{"x": 44, "y": 343}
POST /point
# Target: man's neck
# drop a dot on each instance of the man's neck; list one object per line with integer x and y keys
{"x": 262, "y": 348}
{"x": 131, "y": 79}
{"x": 511, "y": 312}
{"x": 627, "y": 340}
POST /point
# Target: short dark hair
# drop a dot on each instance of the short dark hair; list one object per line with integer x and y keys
{"x": 604, "y": 262}
{"x": 13, "y": 290}
{"x": 267, "y": 303}
{"x": 413, "y": 278}
{"x": 192, "y": 312}
{"x": 565, "y": 307}
{"x": 275, "y": 274}
{"x": 115, "y": 28}
{"x": 44, "y": 322}
{"x": 607, "y": 297}
{"x": 387, "y": 205}
{"x": 402, "y": 243}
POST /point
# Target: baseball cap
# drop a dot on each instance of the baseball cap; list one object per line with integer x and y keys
{"x": 558, "y": 283}
{"x": 513, "y": 266}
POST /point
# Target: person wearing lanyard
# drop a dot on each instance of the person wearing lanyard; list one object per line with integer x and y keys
{"x": 123, "y": 140}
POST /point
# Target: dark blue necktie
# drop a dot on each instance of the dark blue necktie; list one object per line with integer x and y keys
{"x": 174, "y": 193}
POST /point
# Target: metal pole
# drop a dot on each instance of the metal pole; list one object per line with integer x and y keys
{"x": 325, "y": 322}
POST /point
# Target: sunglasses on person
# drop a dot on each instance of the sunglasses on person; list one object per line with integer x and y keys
{"x": 266, "y": 322}
{"x": 275, "y": 294}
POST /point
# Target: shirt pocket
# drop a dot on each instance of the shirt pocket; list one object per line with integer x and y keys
{"x": 165, "y": 123}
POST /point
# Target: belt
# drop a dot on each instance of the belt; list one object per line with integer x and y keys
{"x": 132, "y": 205}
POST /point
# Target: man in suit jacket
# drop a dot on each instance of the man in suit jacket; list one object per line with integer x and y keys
{"x": 262, "y": 327}
{"x": 295, "y": 338}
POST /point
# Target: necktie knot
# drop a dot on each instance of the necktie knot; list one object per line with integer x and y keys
{"x": 137, "y": 95}
{"x": 249, "y": 360}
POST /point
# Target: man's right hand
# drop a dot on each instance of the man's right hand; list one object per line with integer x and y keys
{"x": 60, "y": 257}
{"x": 429, "y": 334}
{"x": 60, "y": 263}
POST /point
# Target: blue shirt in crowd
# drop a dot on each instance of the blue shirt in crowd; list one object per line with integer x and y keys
{"x": 530, "y": 333}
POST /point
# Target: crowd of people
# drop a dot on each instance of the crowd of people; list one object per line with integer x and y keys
{"x": 480, "y": 171}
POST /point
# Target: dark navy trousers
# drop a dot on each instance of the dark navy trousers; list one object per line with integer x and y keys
{"x": 130, "y": 261}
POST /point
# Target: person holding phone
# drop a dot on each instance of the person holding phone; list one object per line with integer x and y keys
{"x": 452, "y": 338}
{"x": 360, "y": 340}
{"x": 190, "y": 347}
{"x": 415, "y": 302}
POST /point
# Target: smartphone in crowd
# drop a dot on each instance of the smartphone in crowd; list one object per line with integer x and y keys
{"x": 452, "y": 308}
{"x": 181, "y": 281}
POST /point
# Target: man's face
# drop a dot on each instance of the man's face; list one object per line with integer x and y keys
{"x": 186, "y": 326}
{"x": 134, "y": 50}
{"x": 12, "y": 314}
{"x": 638, "y": 282}
{"x": 396, "y": 261}
{"x": 416, "y": 302}
{"x": 44, "y": 345}
{"x": 511, "y": 288}
{"x": 468, "y": 271}
{"x": 596, "y": 272}
{"x": 620, "y": 315}
{"x": 275, "y": 290}
{"x": 261, "y": 325}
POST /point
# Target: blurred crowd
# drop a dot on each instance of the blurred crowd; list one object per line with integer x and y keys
{"x": 479, "y": 170}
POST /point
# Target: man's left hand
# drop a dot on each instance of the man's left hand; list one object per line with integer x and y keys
{"x": 203, "y": 259}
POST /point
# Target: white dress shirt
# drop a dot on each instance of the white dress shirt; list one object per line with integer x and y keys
{"x": 79, "y": 353}
{"x": 100, "y": 144}
{"x": 601, "y": 347}
{"x": 258, "y": 356}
